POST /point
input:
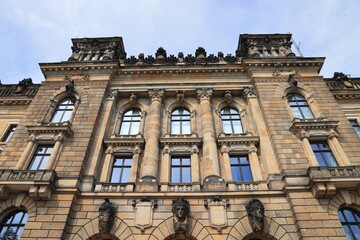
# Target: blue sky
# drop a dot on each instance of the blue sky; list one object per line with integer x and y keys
{"x": 41, "y": 30}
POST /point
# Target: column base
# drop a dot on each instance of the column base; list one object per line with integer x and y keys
{"x": 214, "y": 183}
{"x": 147, "y": 185}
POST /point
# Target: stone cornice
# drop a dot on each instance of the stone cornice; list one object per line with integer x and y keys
{"x": 283, "y": 62}
{"x": 79, "y": 66}
{"x": 53, "y": 128}
{"x": 238, "y": 139}
{"x": 125, "y": 141}
{"x": 180, "y": 140}
{"x": 313, "y": 124}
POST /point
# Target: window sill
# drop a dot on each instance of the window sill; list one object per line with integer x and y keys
{"x": 115, "y": 187}
{"x": 180, "y": 187}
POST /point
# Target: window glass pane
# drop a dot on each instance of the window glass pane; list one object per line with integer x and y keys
{"x": 347, "y": 231}
{"x": 348, "y": 215}
{"x": 125, "y": 126}
{"x": 135, "y": 128}
{"x": 176, "y": 118}
{"x": 175, "y": 127}
{"x": 323, "y": 146}
{"x": 43, "y": 163}
{"x": 227, "y": 127}
{"x": 175, "y": 161}
{"x": 186, "y": 128}
{"x": 49, "y": 150}
{"x": 246, "y": 174}
{"x": 314, "y": 146}
{"x": 186, "y": 161}
{"x": 175, "y": 175}
{"x": 307, "y": 113}
{"x": 235, "y": 171}
{"x": 127, "y": 118}
{"x": 125, "y": 175}
{"x": 237, "y": 127}
{"x": 330, "y": 159}
{"x": 186, "y": 175}
{"x": 320, "y": 159}
{"x": 127, "y": 162}
{"x": 115, "y": 176}
{"x": 56, "y": 117}
{"x": 225, "y": 117}
{"x": 341, "y": 217}
{"x": 118, "y": 162}
{"x": 234, "y": 160}
{"x": 356, "y": 230}
{"x": 35, "y": 163}
{"x": 296, "y": 112}
{"x": 17, "y": 218}
{"x": 244, "y": 160}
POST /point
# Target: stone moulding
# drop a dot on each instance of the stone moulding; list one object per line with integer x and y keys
{"x": 217, "y": 212}
{"x": 144, "y": 209}
{"x": 39, "y": 183}
{"x": 325, "y": 181}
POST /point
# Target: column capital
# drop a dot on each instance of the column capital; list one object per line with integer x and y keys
{"x": 31, "y": 138}
{"x": 59, "y": 137}
{"x": 156, "y": 94}
{"x": 194, "y": 149}
{"x": 224, "y": 148}
{"x": 204, "y": 94}
{"x": 136, "y": 149}
{"x": 249, "y": 92}
{"x": 332, "y": 134}
{"x": 109, "y": 150}
{"x": 252, "y": 149}
{"x": 113, "y": 94}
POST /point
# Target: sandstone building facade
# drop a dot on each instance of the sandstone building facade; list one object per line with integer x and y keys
{"x": 255, "y": 145}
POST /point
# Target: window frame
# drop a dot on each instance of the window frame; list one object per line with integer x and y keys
{"x": 233, "y": 117}
{"x": 346, "y": 222}
{"x": 355, "y": 125}
{"x": 182, "y": 122}
{"x": 9, "y": 132}
{"x": 19, "y": 225}
{"x": 42, "y": 155}
{"x": 294, "y": 104}
{"x": 131, "y": 121}
{"x": 63, "y": 111}
{"x": 181, "y": 168}
{"x": 239, "y": 167}
{"x": 121, "y": 167}
{"x": 323, "y": 152}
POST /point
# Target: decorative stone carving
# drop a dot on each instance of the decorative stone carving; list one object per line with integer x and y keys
{"x": 255, "y": 210}
{"x": 293, "y": 82}
{"x": 160, "y": 54}
{"x": 180, "y": 209}
{"x": 217, "y": 212}
{"x": 204, "y": 94}
{"x": 113, "y": 93}
{"x": 77, "y": 77}
{"x": 228, "y": 96}
{"x": 156, "y": 94}
{"x": 249, "y": 92}
{"x": 180, "y": 96}
{"x": 343, "y": 78}
{"x": 70, "y": 86}
{"x": 133, "y": 98}
{"x": 106, "y": 216}
{"x": 22, "y": 85}
{"x": 144, "y": 208}
{"x": 200, "y": 54}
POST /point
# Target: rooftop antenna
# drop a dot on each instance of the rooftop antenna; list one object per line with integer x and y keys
{"x": 297, "y": 46}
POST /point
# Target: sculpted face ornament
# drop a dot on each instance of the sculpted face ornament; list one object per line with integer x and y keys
{"x": 180, "y": 209}
{"x": 255, "y": 211}
{"x": 106, "y": 216}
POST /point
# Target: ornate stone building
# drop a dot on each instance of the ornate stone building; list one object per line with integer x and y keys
{"x": 252, "y": 146}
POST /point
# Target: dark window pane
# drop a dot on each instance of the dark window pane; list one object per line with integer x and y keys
{"x": 348, "y": 215}
{"x": 330, "y": 159}
{"x": 235, "y": 171}
{"x": 14, "y": 223}
{"x": 115, "y": 176}
{"x": 247, "y": 173}
{"x": 175, "y": 175}
{"x": 244, "y": 160}
{"x": 320, "y": 159}
{"x": 186, "y": 175}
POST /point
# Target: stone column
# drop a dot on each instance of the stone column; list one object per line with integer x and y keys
{"x": 59, "y": 139}
{"x": 106, "y": 166}
{"x": 134, "y": 167}
{"x": 226, "y": 162}
{"x": 149, "y": 169}
{"x": 338, "y": 151}
{"x": 195, "y": 171}
{"x": 27, "y": 152}
{"x": 96, "y": 152}
{"x": 165, "y": 168}
{"x": 254, "y": 163}
{"x": 267, "y": 152}
{"x": 303, "y": 135}
{"x": 210, "y": 161}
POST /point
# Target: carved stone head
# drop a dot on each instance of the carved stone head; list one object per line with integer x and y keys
{"x": 106, "y": 216}
{"x": 22, "y": 85}
{"x": 255, "y": 211}
{"x": 180, "y": 209}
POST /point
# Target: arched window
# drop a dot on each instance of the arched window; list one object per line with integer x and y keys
{"x": 231, "y": 121}
{"x": 12, "y": 225}
{"x": 350, "y": 220}
{"x": 130, "y": 124}
{"x": 180, "y": 121}
{"x": 299, "y": 106}
{"x": 64, "y": 110}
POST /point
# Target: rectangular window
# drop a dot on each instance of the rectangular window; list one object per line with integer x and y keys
{"x": 41, "y": 157}
{"x": 240, "y": 169}
{"x": 121, "y": 170}
{"x": 323, "y": 154}
{"x": 9, "y": 133}
{"x": 180, "y": 170}
{"x": 356, "y": 126}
